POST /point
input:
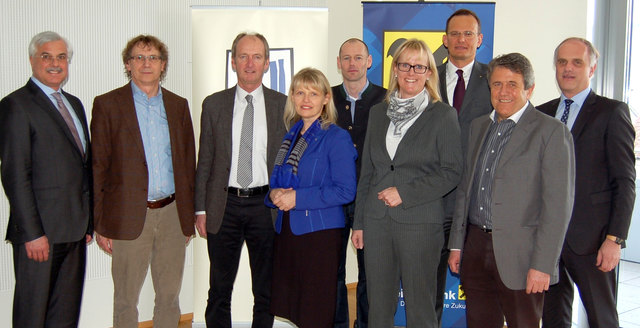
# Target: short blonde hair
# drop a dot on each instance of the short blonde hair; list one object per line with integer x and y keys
{"x": 313, "y": 79}
{"x": 423, "y": 50}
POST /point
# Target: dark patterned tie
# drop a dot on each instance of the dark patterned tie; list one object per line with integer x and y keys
{"x": 67, "y": 118}
{"x": 458, "y": 92}
{"x": 245, "y": 169}
{"x": 565, "y": 114}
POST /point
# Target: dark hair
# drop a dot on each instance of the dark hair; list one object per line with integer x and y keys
{"x": 146, "y": 41}
{"x": 464, "y": 12}
{"x": 516, "y": 63}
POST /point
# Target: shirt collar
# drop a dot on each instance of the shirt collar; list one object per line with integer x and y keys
{"x": 466, "y": 70}
{"x": 579, "y": 98}
{"x": 515, "y": 117}
{"x": 366, "y": 85}
{"x": 46, "y": 89}
{"x": 241, "y": 94}
{"x": 137, "y": 92}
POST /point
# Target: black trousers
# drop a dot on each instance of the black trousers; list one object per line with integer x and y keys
{"x": 246, "y": 219}
{"x": 342, "y": 305}
{"x": 597, "y": 292}
{"x": 49, "y": 294}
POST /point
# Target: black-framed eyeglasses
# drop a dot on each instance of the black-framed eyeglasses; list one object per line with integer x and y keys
{"x": 49, "y": 58}
{"x": 418, "y": 69}
{"x": 466, "y": 34}
{"x": 142, "y": 58}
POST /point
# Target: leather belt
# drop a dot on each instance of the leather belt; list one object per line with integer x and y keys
{"x": 485, "y": 230}
{"x": 248, "y": 192}
{"x": 160, "y": 203}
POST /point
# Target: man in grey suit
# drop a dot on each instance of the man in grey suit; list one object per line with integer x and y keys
{"x": 513, "y": 204}
{"x": 241, "y": 131}
{"x": 464, "y": 86}
{"x": 46, "y": 175}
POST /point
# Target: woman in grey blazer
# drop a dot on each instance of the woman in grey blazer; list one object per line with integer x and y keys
{"x": 412, "y": 157}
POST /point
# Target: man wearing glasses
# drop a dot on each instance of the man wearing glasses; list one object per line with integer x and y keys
{"x": 144, "y": 176}
{"x": 46, "y": 174}
{"x": 464, "y": 86}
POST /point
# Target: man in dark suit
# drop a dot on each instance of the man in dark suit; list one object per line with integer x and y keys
{"x": 605, "y": 189}
{"x": 144, "y": 173}
{"x": 353, "y": 99}
{"x": 46, "y": 175}
{"x": 464, "y": 86}
{"x": 513, "y": 204}
{"x": 242, "y": 128}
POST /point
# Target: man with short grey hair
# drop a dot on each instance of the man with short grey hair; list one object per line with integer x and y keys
{"x": 605, "y": 190}
{"x": 46, "y": 175}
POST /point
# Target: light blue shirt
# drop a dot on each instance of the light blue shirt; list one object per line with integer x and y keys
{"x": 574, "y": 109}
{"x": 76, "y": 121}
{"x": 154, "y": 128}
{"x": 353, "y": 101}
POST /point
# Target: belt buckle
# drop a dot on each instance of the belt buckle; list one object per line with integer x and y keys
{"x": 240, "y": 194}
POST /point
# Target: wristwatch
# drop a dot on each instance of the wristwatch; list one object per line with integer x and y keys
{"x": 615, "y": 239}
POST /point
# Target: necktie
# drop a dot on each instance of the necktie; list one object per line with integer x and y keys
{"x": 458, "y": 92}
{"x": 67, "y": 118}
{"x": 565, "y": 114}
{"x": 245, "y": 170}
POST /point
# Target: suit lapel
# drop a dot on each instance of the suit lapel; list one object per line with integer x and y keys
{"x": 442, "y": 75}
{"x": 476, "y": 145}
{"x": 226, "y": 120}
{"x": 47, "y": 105}
{"x": 521, "y": 133}
{"x": 127, "y": 110}
{"x": 272, "y": 120}
{"x": 475, "y": 81}
{"x": 585, "y": 115}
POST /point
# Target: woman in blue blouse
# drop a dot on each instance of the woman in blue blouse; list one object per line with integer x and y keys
{"x": 314, "y": 175}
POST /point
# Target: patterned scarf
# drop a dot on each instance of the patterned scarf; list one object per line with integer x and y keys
{"x": 401, "y": 111}
{"x": 301, "y": 145}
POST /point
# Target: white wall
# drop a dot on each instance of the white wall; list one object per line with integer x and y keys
{"x": 99, "y": 30}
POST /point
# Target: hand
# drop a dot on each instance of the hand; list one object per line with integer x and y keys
{"x": 201, "y": 225}
{"x": 390, "y": 197}
{"x": 537, "y": 281}
{"x": 357, "y": 239}
{"x": 38, "y": 249}
{"x": 286, "y": 200}
{"x": 275, "y": 193}
{"x": 88, "y": 238}
{"x": 454, "y": 261}
{"x": 608, "y": 256}
{"x": 105, "y": 243}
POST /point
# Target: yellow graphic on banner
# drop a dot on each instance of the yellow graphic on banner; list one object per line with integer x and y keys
{"x": 393, "y": 40}
{"x": 461, "y": 295}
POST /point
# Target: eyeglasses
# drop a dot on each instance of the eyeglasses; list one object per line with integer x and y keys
{"x": 418, "y": 69}
{"x": 48, "y": 58}
{"x": 142, "y": 58}
{"x": 466, "y": 34}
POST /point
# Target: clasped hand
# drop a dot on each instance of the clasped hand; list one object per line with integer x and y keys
{"x": 284, "y": 199}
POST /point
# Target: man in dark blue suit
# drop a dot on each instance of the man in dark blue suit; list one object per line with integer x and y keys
{"x": 46, "y": 175}
{"x": 605, "y": 190}
{"x": 464, "y": 86}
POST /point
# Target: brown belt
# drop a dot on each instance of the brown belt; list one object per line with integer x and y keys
{"x": 160, "y": 203}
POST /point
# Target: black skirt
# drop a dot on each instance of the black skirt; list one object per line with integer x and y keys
{"x": 305, "y": 276}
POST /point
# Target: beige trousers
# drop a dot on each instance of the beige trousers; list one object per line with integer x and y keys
{"x": 161, "y": 245}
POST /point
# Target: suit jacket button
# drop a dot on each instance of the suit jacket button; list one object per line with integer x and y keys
{"x": 350, "y": 127}
{"x": 225, "y": 188}
{"x": 391, "y": 167}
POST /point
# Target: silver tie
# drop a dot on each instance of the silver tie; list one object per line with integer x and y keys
{"x": 245, "y": 169}
{"x": 67, "y": 118}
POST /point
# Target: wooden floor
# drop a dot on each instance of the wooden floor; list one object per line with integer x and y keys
{"x": 186, "y": 319}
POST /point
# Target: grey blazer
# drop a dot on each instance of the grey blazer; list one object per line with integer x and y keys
{"x": 214, "y": 157}
{"x": 426, "y": 166}
{"x": 533, "y": 194}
